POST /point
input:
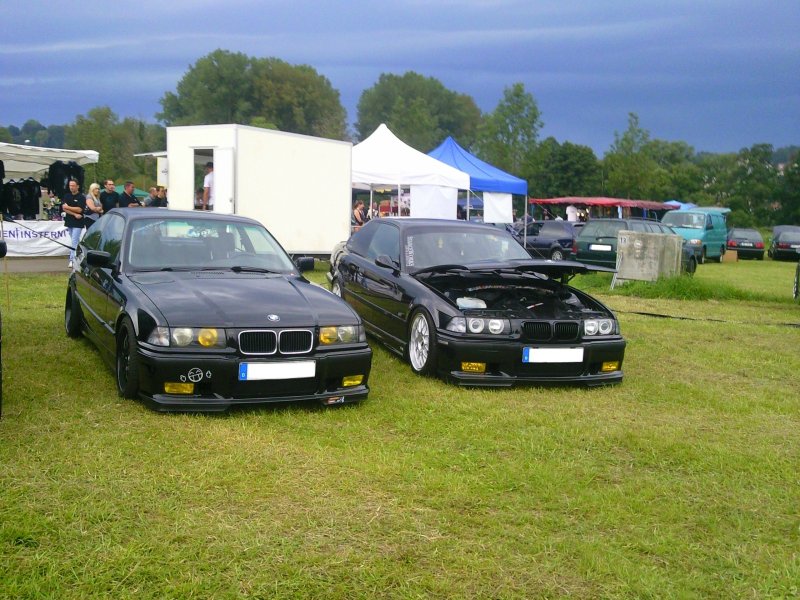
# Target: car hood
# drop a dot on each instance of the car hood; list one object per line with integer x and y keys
{"x": 688, "y": 233}
{"x": 554, "y": 269}
{"x": 236, "y": 300}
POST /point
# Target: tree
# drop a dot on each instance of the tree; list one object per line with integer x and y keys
{"x": 507, "y": 136}
{"x": 564, "y": 170}
{"x": 227, "y": 87}
{"x": 419, "y": 110}
{"x": 5, "y": 136}
{"x": 630, "y": 172}
{"x": 789, "y": 192}
{"x": 754, "y": 195}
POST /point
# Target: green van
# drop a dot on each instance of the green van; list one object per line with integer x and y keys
{"x": 704, "y": 229}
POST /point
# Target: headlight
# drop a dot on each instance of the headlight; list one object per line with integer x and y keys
{"x": 479, "y": 325}
{"x": 695, "y": 242}
{"x": 185, "y": 337}
{"x": 599, "y": 327}
{"x": 341, "y": 334}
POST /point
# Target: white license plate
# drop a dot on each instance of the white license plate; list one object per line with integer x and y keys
{"x": 746, "y": 245}
{"x": 552, "y": 355}
{"x": 600, "y": 247}
{"x": 795, "y": 245}
{"x": 277, "y": 370}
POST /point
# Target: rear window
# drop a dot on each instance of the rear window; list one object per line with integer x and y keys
{"x": 601, "y": 229}
{"x": 747, "y": 234}
{"x": 790, "y": 236}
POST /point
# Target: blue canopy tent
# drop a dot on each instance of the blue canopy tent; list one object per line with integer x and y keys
{"x": 483, "y": 177}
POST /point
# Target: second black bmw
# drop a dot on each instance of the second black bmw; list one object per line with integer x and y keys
{"x": 466, "y": 302}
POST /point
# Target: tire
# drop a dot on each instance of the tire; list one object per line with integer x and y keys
{"x": 336, "y": 287}
{"x": 422, "y": 350}
{"x": 72, "y": 315}
{"x": 703, "y": 256}
{"x": 557, "y": 254}
{"x": 127, "y": 363}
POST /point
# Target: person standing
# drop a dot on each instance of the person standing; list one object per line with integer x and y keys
{"x": 94, "y": 207}
{"x": 109, "y": 197}
{"x": 208, "y": 187}
{"x": 74, "y": 205}
{"x": 162, "y": 197}
{"x": 126, "y": 198}
{"x": 572, "y": 213}
{"x": 152, "y": 198}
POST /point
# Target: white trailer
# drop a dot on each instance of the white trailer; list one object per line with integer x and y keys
{"x": 298, "y": 186}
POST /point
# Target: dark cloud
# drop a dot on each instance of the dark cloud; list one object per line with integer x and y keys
{"x": 720, "y": 75}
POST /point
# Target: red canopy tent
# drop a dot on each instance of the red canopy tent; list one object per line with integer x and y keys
{"x": 601, "y": 201}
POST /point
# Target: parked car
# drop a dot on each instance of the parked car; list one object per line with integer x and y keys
{"x": 785, "y": 243}
{"x": 597, "y": 242}
{"x": 748, "y": 243}
{"x": 200, "y": 311}
{"x": 549, "y": 239}
{"x": 704, "y": 230}
{"x": 466, "y": 302}
{"x": 796, "y": 289}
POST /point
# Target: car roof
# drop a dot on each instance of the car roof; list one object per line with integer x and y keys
{"x": 406, "y": 223}
{"x": 135, "y": 214}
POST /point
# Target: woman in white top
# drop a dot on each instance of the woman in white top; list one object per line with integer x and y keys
{"x": 94, "y": 208}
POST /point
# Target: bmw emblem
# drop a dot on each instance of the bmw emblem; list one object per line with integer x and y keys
{"x": 273, "y": 318}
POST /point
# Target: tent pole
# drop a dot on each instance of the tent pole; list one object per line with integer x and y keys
{"x": 525, "y": 224}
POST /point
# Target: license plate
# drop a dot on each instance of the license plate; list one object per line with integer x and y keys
{"x": 600, "y": 247}
{"x": 552, "y": 355}
{"x": 795, "y": 245}
{"x": 746, "y": 245}
{"x": 277, "y": 370}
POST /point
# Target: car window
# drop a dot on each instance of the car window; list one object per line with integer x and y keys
{"x": 111, "y": 237}
{"x": 595, "y": 229}
{"x": 91, "y": 239}
{"x": 360, "y": 240}
{"x": 637, "y": 226}
{"x": 684, "y": 219}
{"x": 385, "y": 240}
{"x": 426, "y": 248}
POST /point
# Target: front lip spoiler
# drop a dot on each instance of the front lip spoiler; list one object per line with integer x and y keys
{"x": 497, "y": 381}
{"x": 217, "y": 403}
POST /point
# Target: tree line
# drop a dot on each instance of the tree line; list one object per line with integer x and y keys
{"x": 760, "y": 184}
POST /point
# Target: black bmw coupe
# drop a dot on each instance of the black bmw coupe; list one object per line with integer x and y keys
{"x": 201, "y": 311}
{"x": 466, "y": 302}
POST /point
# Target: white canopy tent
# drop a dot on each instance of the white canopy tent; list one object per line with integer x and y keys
{"x": 21, "y": 161}
{"x": 383, "y": 160}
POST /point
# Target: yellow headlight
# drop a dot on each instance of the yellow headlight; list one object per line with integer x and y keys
{"x": 610, "y": 366}
{"x": 473, "y": 367}
{"x": 352, "y": 380}
{"x": 173, "y": 387}
{"x": 328, "y": 335}
{"x": 207, "y": 337}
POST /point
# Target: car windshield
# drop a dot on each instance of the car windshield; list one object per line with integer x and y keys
{"x": 186, "y": 243}
{"x": 683, "y": 219}
{"x": 425, "y": 249}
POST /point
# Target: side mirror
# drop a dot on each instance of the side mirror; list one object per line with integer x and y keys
{"x": 387, "y": 263}
{"x": 304, "y": 263}
{"x": 98, "y": 258}
{"x": 3, "y": 248}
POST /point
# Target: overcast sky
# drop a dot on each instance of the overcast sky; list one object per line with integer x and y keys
{"x": 719, "y": 74}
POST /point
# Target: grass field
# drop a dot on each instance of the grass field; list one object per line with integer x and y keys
{"x": 683, "y": 481}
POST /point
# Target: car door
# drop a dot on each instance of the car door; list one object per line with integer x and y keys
{"x": 108, "y": 278}
{"x": 533, "y": 244}
{"x": 91, "y": 296}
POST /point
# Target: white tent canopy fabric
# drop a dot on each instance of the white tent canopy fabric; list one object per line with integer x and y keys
{"x": 384, "y": 160}
{"x": 20, "y": 161}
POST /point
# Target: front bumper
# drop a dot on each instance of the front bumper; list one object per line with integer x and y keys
{"x": 217, "y": 385}
{"x": 504, "y": 366}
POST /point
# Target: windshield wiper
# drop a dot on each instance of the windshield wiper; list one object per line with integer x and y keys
{"x": 435, "y": 268}
{"x": 241, "y": 269}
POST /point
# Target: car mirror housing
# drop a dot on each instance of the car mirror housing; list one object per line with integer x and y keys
{"x": 384, "y": 261}
{"x": 3, "y": 248}
{"x": 98, "y": 258}
{"x": 304, "y": 263}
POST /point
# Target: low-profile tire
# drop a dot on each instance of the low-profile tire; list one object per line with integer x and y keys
{"x": 557, "y": 254}
{"x": 422, "y": 350}
{"x": 336, "y": 287}
{"x": 72, "y": 315}
{"x": 127, "y": 363}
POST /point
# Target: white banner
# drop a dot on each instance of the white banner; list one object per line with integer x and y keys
{"x": 497, "y": 208}
{"x": 433, "y": 202}
{"x": 36, "y": 238}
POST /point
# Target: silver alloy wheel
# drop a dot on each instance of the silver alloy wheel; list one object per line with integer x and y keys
{"x": 419, "y": 342}
{"x": 557, "y": 255}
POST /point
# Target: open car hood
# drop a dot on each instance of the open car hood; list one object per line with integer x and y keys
{"x": 553, "y": 269}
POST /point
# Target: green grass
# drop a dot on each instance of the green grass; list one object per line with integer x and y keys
{"x": 680, "y": 482}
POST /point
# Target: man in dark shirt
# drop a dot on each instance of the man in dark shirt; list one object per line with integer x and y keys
{"x": 109, "y": 197}
{"x": 126, "y": 198}
{"x": 73, "y": 204}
